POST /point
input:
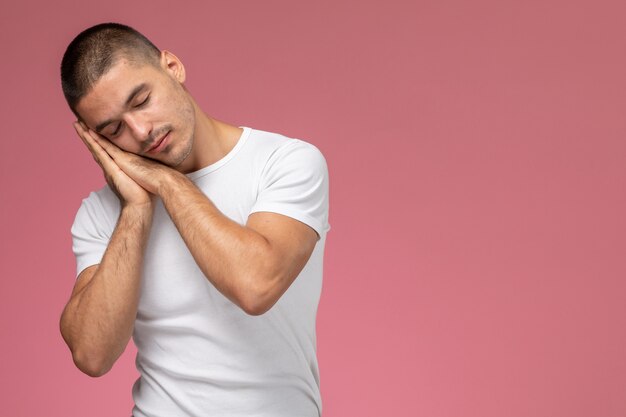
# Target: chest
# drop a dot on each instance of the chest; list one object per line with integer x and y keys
{"x": 172, "y": 283}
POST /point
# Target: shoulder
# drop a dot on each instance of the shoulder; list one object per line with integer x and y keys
{"x": 101, "y": 206}
{"x": 280, "y": 149}
{"x": 103, "y": 199}
{"x": 294, "y": 182}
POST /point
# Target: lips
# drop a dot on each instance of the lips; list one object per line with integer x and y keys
{"x": 157, "y": 145}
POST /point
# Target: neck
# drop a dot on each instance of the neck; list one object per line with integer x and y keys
{"x": 212, "y": 140}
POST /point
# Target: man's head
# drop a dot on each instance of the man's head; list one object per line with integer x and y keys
{"x": 95, "y": 50}
{"x": 123, "y": 87}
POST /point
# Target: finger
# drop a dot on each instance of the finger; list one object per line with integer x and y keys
{"x": 98, "y": 152}
{"x": 82, "y": 135}
{"x": 82, "y": 131}
{"x": 80, "y": 127}
{"x": 110, "y": 148}
{"x": 123, "y": 159}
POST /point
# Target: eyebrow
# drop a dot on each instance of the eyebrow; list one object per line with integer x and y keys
{"x": 130, "y": 98}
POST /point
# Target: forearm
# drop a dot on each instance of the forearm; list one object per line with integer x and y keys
{"x": 236, "y": 259}
{"x": 98, "y": 321}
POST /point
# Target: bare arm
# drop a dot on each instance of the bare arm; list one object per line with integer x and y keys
{"x": 98, "y": 320}
{"x": 252, "y": 265}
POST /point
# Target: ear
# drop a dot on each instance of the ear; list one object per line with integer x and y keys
{"x": 173, "y": 66}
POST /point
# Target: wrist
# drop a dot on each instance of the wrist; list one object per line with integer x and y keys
{"x": 171, "y": 183}
{"x": 144, "y": 209}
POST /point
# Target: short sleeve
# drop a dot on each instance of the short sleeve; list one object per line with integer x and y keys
{"x": 91, "y": 231}
{"x": 294, "y": 182}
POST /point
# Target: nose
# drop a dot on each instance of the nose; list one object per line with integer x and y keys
{"x": 139, "y": 126}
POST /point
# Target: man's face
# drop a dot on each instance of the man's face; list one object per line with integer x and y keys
{"x": 143, "y": 110}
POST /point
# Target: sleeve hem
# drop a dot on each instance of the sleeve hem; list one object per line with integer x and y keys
{"x": 310, "y": 221}
{"x": 86, "y": 263}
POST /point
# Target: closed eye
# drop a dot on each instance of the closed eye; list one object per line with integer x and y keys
{"x": 119, "y": 126}
{"x": 143, "y": 102}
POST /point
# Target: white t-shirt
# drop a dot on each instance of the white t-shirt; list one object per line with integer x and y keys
{"x": 198, "y": 353}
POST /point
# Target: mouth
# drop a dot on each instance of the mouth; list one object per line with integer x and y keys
{"x": 159, "y": 144}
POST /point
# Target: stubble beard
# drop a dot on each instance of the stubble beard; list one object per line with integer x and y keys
{"x": 185, "y": 153}
{"x": 189, "y": 118}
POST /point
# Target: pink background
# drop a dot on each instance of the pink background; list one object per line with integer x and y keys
{"x": 476, "y": 261}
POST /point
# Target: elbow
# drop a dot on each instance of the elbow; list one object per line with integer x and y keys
{"x": 256, "y": 309}
{"x": 91, "y": 365}
{"x": 256, "y": 305}
{"x": 87, "y": 361}
{"x": 260, "y": 298}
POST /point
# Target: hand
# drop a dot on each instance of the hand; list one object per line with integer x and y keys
{"x": 147, "y": 173}
{"x": 127, "y": 190}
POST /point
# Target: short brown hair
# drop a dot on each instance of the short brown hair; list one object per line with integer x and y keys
{"x": 95, "y": 50}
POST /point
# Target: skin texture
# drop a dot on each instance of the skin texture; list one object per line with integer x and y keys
{"x": 252, "y": 264}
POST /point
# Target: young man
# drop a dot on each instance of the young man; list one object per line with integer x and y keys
{"x": 206, "y": 245}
